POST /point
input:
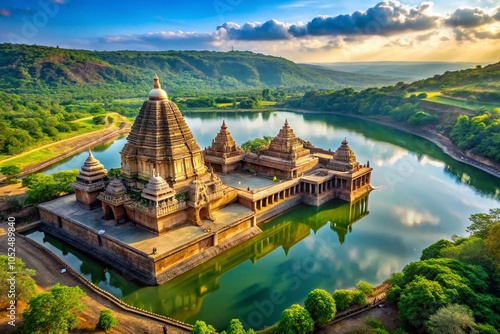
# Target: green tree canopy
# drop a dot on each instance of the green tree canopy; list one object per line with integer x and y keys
{"x": 25, "y": 284}
{"x": 200, "y": 327}
{"x": 44, "y": 188}
{"x": 343, "y": 299}
{"x": 55, "y": 311}
{"x": 366, "y": 287}
{"x": 451, "y": 319}
{"x": 481, "y": 222}
{"x": 295, "y": 320}
{"x": 321, "y": 306}
{"x": 106, "y": 320}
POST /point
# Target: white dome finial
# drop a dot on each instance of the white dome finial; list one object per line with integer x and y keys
{"x": 157, "y": 93}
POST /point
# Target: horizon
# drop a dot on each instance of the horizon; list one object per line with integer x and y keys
{"x": 304, "y": 31}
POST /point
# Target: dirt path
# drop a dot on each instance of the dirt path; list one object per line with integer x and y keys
{"x": 48, "y": 274}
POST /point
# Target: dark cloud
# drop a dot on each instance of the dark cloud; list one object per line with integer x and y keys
{"x": 385, "y": 18}
{"x": 270, "y": 30}
{"x": 469, "y": 18}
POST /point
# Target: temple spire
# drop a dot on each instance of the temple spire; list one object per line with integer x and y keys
{"x": 90, "y": 153}
{"x": 157, "y": 84}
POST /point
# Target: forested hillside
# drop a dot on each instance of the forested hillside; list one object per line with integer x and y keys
{"x": 478, "y": 132}
{"x": 94, "y": 74}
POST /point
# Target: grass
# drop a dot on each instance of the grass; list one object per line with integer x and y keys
{"x": 436, "y": 96}
{"x": 461, "y": 103}
{"x": 45, "y": 153}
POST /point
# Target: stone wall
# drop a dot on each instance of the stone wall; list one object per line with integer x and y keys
{"x": 170, "y": 259}
{"x": 122, "y": 257}
{"x": 234, "y": 230}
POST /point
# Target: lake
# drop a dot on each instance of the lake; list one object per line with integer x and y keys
{"x": 421, "y": 195}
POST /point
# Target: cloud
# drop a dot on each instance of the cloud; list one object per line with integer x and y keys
{"x": 59, "y": 2}
{"x": 163, "y": 39}
{"x": 255, "y": 31}
{"x": 411, "y": 217}
{"x": 469, "y": 17}
{"x": 385, "y": 18}
{"x": 5, "y": 12}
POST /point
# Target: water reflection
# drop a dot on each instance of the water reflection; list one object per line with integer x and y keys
{"x": 184, "y": 297}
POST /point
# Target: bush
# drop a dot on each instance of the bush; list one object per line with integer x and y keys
{"x": 321, "y": 306}
{"x": 295, "y": 320}
{"x": 358, "y": 298}
{"x": 343, "y": 299}
{"x": 200, "y": 327}
{"x": 106, "y": 320}
{"x": 367, "y": 288}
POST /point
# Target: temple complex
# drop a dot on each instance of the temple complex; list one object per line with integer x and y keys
{"x": 169, "y": 209}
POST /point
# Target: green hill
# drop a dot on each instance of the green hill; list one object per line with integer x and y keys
{"x": 429, "y": 104}
{"x": 28, "y": 69}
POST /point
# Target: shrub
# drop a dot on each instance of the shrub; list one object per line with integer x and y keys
{"x": 321, "y": 306}
{"x": 367, "y": 288}
{"x": 106, "y": 320}
{"x": 295, "y": 320}
{"x": 343, "y": 299}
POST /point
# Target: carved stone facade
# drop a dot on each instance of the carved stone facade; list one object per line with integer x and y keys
{"x": 160, "y": 139}
{"x": 286, "y": 156}
{"x": 89, "y": 182}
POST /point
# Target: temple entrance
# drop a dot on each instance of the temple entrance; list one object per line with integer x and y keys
{"x": 204, "y": 213}
{"x": 108, "y": 212}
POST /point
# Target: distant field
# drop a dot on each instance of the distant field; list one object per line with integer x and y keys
{"x": 438, "y": 98}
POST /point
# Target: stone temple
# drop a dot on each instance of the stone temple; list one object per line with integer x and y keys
{"x": 174, "y": 205}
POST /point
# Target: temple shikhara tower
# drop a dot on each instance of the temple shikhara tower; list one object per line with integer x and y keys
{"x": 161, "y": 140}
{"x": 174, "y": 206}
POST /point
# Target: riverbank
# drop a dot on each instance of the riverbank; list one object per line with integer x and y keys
{"x": 65, "y": 148}
{"x": 444, "y": 143}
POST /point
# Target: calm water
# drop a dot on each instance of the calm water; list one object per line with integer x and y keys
{"x": 421, "y": 196}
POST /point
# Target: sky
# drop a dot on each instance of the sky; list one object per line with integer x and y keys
{"x": 299, "y": 30}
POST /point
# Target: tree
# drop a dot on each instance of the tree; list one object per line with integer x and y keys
{"x": 493, "y": 243}
{"x": 295, "y": 320}
{"x": 434, "y": 250}
{"x": 235, "y": 327}
{"x": 44, "y": 188}
{"x": 200, "y": 327}
{"x": 106, "y": 320}
{"x": 55, "y": 311}
{"x": 451, "y": 319}
{"x": 343, "y": 299}
{"x": 25, "y": 284}
{"x": 321, "y": 306}
{"x": 481, "y": 222}
{"x": 366, "y": 287}
{"x": 358, "y": 298}
{"x": 11, "y": 171}
{"x": 420, "y": 298}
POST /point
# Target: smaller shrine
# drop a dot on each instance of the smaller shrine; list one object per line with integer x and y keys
{"x": 90, "y": 182}
{"x": 285, "y": 158}
{"x": 224, "y": 155}
{"x": 344, "y": 159}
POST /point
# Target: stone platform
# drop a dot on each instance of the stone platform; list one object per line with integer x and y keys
{"x": 147, "y": 254}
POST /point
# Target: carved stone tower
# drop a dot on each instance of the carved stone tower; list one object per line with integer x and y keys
{"x": 160, "y": 139}
{"x": 89, "y": 182}
{"x": 224, "y": 155}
